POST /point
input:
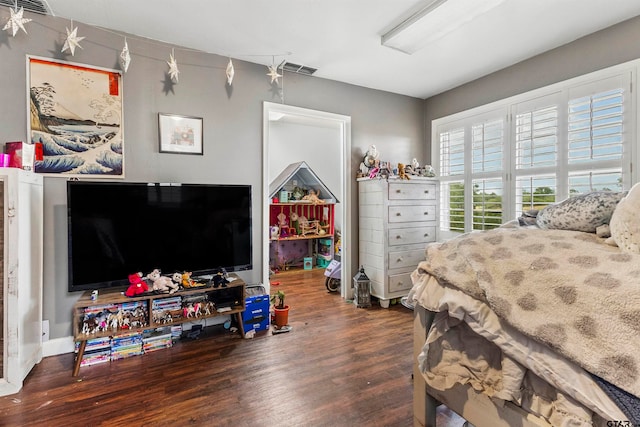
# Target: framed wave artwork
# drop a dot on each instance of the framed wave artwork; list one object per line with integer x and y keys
{"x": 75, "y": 112}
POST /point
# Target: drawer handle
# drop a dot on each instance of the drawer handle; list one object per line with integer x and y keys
{"x": 398, "y": 191}
{"x": 399, "y": 259}
{"x": 426, "y": 213}
{"x": 398, "y": 237}
{"x": 398, "y": 214}
{"x": 426, "y": 191}
{"x": 426, "y": 234}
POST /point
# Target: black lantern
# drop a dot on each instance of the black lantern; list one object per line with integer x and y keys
{"x": 362, "y": 292}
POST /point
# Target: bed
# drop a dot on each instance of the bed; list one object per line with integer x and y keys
{"x": 529, "y": 326}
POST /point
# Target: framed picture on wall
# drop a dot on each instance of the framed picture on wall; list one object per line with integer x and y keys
{"x": 180, "y": 134}
{"x": 75, "y": 112}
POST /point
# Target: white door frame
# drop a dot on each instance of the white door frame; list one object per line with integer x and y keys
{"x": 344, "y": 123}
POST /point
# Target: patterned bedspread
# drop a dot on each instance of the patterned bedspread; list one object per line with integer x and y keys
{"x": 566, "y": 289}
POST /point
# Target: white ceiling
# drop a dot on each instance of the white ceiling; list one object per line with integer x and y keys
{"x": 341, "y": 38}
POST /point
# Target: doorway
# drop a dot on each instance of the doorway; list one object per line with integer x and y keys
{"x": 322, "y": 140}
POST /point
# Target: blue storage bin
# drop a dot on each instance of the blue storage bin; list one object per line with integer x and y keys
{"x": 256, "y": 314}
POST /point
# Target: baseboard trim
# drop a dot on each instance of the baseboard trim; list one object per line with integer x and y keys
{"x": 58, "y": 346}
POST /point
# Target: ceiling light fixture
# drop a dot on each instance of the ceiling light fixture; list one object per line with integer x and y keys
{"x": 432, "y": 21}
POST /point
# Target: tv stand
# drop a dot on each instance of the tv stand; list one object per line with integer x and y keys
{"x": 227, "y": 300}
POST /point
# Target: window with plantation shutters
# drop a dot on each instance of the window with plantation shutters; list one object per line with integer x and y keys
{"x": 524, "y": 153}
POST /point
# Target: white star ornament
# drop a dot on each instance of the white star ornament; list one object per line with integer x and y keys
{"x": 16, "y": 22}
{"x": 125, "y": 57}
{"x": 72, "y": 41}
{"x": 273, "y": 73}
{"x": 173, "y": 68}
{"x": 230, "y": 72}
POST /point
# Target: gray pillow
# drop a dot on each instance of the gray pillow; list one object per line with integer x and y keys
{"x": 585, "y": 212}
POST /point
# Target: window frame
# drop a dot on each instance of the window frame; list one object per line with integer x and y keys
{"x": 557, "y": 94}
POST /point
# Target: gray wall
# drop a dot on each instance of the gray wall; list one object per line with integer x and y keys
{"x": 232, "y": 127}
{"x": 611, "y": 46}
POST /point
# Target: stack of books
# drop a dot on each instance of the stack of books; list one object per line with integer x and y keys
{"x": 161, "y": 308}
{"x": 98, "y": 350}
{"x": 126, "y": 345}
{"x": 156, "y": 339}
{"x": 169, "y": 303}
{"x": 176, "y": 332}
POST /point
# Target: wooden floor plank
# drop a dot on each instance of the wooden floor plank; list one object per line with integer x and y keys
{"x": 339, "y": 366}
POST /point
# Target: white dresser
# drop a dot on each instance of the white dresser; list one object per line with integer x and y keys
{"x": 396, "y": 221}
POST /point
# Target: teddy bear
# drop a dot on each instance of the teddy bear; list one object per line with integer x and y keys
{"x": 162, "y": 283}
{"x": 137, "y": 286}
{"x": 402, "y": 172}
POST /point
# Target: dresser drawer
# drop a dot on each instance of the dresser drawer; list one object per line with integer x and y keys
{"x": 404, "y": 259}
{"x": 409, "y": 191}
{"x": 400, "y": 282}
{"x": 409, "y": 236}
{"x": 412, "y": 213}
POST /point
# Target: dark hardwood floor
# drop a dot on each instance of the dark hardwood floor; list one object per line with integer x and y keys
{"x": 339, "y": 366}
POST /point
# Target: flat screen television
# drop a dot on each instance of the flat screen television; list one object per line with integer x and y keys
{"x": 119, "y": 228}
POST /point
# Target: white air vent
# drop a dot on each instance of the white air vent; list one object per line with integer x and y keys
{"x": 36, "y": 6}
{"x": 300, "y": 69}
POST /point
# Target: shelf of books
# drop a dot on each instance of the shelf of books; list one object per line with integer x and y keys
{"x": 114, "y": 327}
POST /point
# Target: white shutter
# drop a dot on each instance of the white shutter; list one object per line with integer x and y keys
{"x": 536, "y": 133}
{"x": 596, "y": 130}
{"x": 534, "y": 192}
{"x": 599, "y": 180}
{"x": 487, "y": 203}
{"x": 452, "y": 206}
{"x": 487, "y": 142}
{"x": 452, "y": 152}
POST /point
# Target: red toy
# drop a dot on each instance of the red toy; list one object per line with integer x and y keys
{"x": 137, "y": 285}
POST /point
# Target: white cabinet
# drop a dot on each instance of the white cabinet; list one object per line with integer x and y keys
{"x": 397, "y": 219}
{"x": 21, "y": 292}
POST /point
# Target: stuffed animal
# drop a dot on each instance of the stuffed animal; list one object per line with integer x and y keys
{"x": 162, "y": 283}
{"x": 220, "y": 278}
{"x": 177, "y": 279}
{"x": 370, "y": 157}
{"x": 401, "y": 172}
{"x": 188, "y": 282}
{"x": 137, "y": 286}
{"x": 624, "y": 224}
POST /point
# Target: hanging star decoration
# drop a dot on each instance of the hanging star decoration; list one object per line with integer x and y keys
{"x": 230, "y": 72}
{"x": 173, "y": 68}
{"x": 16, "y": 22}
{"x": 273, "y": 73}
{"x": 125, "y": 58}
{"x": 72, "y": 41}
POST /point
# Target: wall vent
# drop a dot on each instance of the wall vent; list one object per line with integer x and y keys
{"x": 300, "y": 69}
{"x": 36, "y": 6}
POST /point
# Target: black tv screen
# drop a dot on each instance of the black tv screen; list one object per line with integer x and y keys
{"x": 116, "y": 229}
